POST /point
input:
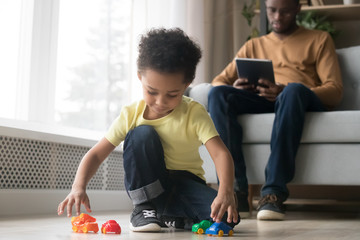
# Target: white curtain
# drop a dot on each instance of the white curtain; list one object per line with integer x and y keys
{"x": 226, "y": 30}
{"x": 217, "y": 25}
{"x": 146, "y": 14}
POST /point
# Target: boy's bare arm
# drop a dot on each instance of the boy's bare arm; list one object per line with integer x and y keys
{"x": 225, "y": 200}
{"x": 87, "y": 168}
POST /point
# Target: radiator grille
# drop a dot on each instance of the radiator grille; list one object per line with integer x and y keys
{"x": 33, "y": 164}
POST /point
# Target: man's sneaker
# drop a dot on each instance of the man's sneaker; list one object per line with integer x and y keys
{"x": 270, "y": 207}
{"x": 243, "y": 205}
{"x": 144, "y": 219}
{"x": 172, "y": 222}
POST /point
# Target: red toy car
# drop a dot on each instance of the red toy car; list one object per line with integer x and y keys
{"x": 111, "y": 226}
{"x": 84, "y": 223}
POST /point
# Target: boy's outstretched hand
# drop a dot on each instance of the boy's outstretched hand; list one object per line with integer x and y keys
{"x": 76, "y": 197}
{"x": 224, "y": 203}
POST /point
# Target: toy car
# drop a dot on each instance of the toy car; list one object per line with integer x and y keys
{"x": 84, "y": 223}
{"x": 201, "y": 227}
{"x": 219, "y": 229}
{"x": 82, "y": 218}
{"x": 111, "y": 226}
{"x": 86, "y": 227}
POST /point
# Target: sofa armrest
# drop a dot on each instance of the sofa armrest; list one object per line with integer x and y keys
{"x": 349, "y": 65}
{"x": 200, "y": 93}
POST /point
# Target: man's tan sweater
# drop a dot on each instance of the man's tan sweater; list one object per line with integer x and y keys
{"x": 306, "y": 56}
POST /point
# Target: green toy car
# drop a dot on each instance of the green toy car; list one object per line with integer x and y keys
{"x": 201, "y": 227}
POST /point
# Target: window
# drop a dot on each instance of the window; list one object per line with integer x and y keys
{"x": 65, "y": 62}
{"x": 92, "y": 73}
{"x": 72, "y": 63}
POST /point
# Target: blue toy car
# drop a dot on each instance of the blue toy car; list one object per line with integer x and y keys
{"x": 219, "y": 229}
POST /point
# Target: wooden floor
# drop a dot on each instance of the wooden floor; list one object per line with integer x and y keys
{"x": 297, "y": 225}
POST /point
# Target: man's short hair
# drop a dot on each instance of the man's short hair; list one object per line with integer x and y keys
{"x": 296, "y": 1}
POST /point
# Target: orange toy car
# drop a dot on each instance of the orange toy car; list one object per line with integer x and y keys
{"x": 111, "y": 226}
{"x": 84, "y": 223}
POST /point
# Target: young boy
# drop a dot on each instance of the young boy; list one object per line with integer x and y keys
{"x": 162, "y": 134}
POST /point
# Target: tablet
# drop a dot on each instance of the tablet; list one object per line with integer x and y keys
{"x": 253, "y": 69}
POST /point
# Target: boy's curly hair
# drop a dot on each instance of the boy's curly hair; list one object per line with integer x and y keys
{"x": 169, "y": 51}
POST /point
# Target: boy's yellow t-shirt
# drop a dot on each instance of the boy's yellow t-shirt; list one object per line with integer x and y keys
{"x": 181, "y": 132}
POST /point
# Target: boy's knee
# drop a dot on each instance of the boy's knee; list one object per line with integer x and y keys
{"x": 142, "y": 132}
{"x": 142, "y": 136}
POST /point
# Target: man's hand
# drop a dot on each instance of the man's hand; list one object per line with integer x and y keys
{"x": 243, "y": 83}
{"x": 268, "y": 89}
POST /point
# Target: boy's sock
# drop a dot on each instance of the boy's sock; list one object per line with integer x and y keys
{"x": 144, "y": 219}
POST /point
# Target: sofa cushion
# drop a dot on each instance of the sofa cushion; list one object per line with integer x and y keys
{"x": 330, "y": 164}
{"x": 350, "y": 71}
{"x": 319, "y": 127}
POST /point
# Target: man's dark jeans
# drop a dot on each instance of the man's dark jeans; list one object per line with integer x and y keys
{"x": 226, "y": 103}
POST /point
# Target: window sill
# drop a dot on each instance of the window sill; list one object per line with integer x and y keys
{"x": 43, "y": 132}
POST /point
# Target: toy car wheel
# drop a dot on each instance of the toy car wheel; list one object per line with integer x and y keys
{"x": 220, "y": 233}
{"x": 104, "y": 231}
{"x": 85, "y": 230}
{"x": 231, "y": 232}
{"x": 75, "y": 229}
{"x": 200, "y": 231}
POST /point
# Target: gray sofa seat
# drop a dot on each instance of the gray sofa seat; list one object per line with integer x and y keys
{"x": 327, "y": 127}
{"x": 329, "y": 152}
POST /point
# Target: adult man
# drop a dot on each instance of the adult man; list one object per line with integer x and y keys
{"x": 307, "y": 77}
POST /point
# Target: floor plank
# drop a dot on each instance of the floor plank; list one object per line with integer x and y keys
{"x": 297, "y": 225}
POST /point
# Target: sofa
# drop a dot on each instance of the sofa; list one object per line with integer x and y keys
{"x": 329, "y": 153}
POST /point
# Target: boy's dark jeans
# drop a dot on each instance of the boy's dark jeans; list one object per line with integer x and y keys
{"x": 226, "y": 103}
{"x": 173, "y": 193}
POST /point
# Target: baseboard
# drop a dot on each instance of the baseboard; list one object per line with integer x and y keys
{"x": 333, "y": 192}
{"x": 30, "y": 202}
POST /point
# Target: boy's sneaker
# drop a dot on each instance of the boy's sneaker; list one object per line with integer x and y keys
{"x": 243, "y": 205}
{"x": 270, "y": 207}
{"x": 172, "y": 222}
{"x": 144, "y": 219}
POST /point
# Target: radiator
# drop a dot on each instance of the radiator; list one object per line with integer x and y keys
{"x": 37, "y": 172}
